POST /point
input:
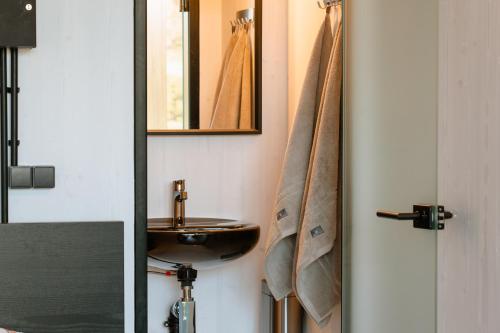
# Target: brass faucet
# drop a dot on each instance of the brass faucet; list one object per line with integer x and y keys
{"x": 180, "y": 197}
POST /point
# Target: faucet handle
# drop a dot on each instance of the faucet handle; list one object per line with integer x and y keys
{"x": 179, "y": 185}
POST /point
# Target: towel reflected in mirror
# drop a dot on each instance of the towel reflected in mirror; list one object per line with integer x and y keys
{"x": 234, "y": 98}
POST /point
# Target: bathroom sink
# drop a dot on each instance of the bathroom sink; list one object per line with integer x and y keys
{"x": 202, "y": 242}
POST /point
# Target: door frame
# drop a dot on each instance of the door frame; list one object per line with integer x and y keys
{"x": 140, "y": 168}
{"x": 346, "y": 225}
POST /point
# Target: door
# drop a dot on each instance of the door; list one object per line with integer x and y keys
{"x": 391, "y": 105}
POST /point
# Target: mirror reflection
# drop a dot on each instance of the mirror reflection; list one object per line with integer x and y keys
{"x": 203, "y": 60}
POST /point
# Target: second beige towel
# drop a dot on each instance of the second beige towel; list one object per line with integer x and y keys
{"x": 317, "y": 271}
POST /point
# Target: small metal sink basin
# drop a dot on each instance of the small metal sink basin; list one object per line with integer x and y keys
{"x": 202, "y": 242}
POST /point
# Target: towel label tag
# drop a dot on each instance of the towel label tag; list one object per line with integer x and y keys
{"x": 281, "y": 214}
{"x": 317, "y": 231}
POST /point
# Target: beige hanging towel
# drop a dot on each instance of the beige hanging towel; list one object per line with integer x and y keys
{"x": 227, "y": 109}
{"x": 317, "y": 278}
{"x": 246, "y": 108}
{"x": 278, "y": 265}
{"x": 225, "y": 61}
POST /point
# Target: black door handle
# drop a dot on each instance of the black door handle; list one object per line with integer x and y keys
{"x": 423, "y": 216}
{"x": 397, "y": 215}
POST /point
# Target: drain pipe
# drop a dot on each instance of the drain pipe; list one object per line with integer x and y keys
{"x": 288, "y": 315}
{"x": 283, "y": 316}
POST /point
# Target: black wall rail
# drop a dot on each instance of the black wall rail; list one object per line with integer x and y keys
{"x": 4, "y": 163}
{"x": 14, "y": 92}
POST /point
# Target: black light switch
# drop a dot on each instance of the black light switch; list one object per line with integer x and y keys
{"x": 44, "y": 177}
{"x": 18, "y": 23}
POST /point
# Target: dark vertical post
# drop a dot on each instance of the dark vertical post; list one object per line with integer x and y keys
{"x": 14, "y": 140}
{"x": 194, "y": 65}
{"x": 140, "y": 163}
{"x": 3, "y": 137}
{"x": 258, "y": 65}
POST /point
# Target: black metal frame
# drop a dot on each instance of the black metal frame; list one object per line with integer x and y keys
{"x": 140, "y": 166}
{"x": 194, "y": 64}
{"x": 4, "y": 158}
{"x": 194, "y": 77}
{"x": 14, "y": 105}
{"x": 13, "y": 90}
{"x": 258, "y": 66}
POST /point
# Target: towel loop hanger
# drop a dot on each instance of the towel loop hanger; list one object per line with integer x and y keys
{"x": 244, "y": 19}
{"x": 324, "y": 4}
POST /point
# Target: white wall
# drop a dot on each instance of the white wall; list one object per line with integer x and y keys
{"x": 304, "y": 22}
{"x": 211, "y": 54}
{"x": 229, "y": 177}
{"x": 76, "y": 112}
{"x": 469, "y": 160}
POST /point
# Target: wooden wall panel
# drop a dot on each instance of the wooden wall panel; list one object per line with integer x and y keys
{"x": 469, "y": 167}
{"x": 62, "y": 277}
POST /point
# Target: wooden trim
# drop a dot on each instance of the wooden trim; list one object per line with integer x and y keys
{"x": 203, "y": 132}
{"x": 140, "y": 166}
